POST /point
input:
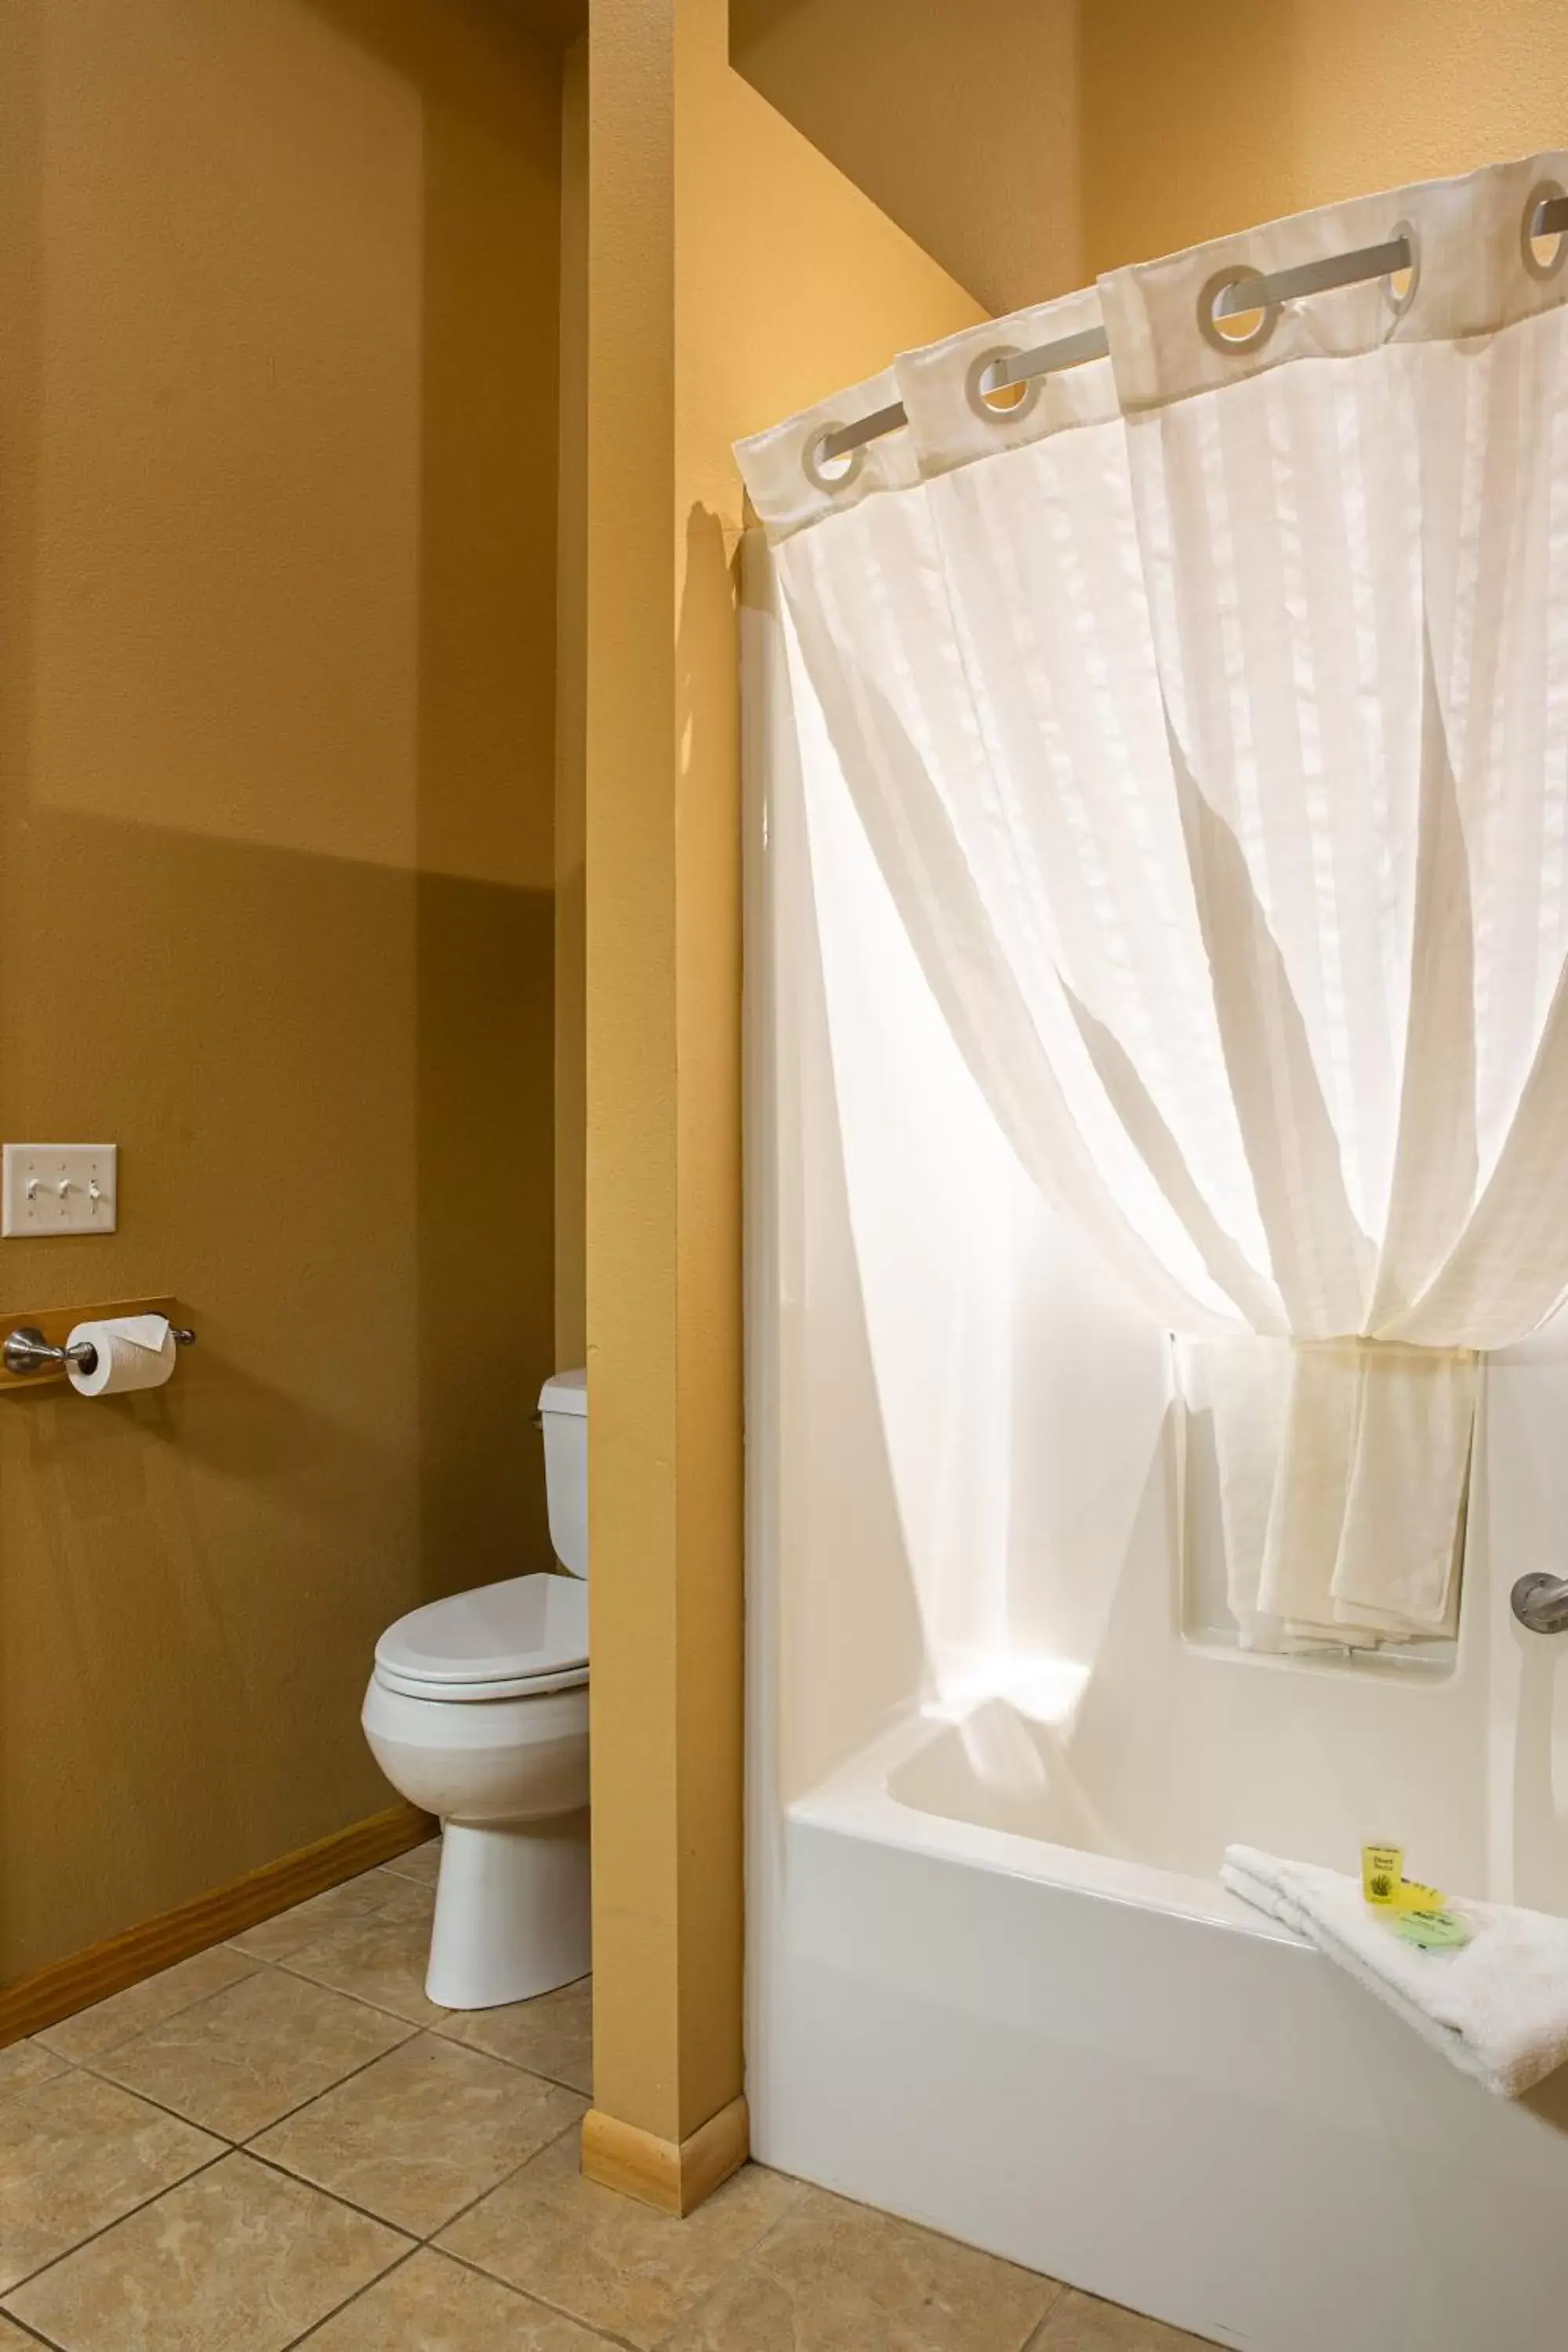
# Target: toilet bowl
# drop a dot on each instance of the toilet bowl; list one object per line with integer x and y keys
{"x": 478, "y": 1712}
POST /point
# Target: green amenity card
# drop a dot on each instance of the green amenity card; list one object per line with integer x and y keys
{"x": 1434, "y": 1931}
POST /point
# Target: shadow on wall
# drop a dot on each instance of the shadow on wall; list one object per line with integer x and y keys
{"x": 1187, "y": 124}
{"x": 1069, "y": 139}
{"x": 276, "y": 689}
{"x": 1080, "y": 135}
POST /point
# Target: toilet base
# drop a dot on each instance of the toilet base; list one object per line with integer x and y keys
{"x": 512, "y": 1911}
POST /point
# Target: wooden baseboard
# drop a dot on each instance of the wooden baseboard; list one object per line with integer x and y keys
{"x": 674, "y": 2175}
{"x": 29, "y": 2003}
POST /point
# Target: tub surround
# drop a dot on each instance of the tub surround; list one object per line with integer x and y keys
{"x": 995, "y": 1756}
{"x": 1120, "y": 2080}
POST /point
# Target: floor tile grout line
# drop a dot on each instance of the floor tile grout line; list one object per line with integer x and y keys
{"x": 1035, "y": 2340}
{"x": 284, "y": 1965}
{"x": 411, "y": 2244}
{"x": 1047, "y": 2317}
{"x": 243, "y": 2144}
{"x": 259, "y": 1964}
{"x": 510, "y": 2174}
{"x": 358, "y": 2296}
{"x": 623, "y": 2343}
{"x": 175, "y": 2114}
{"x": 411, "y": 2238}
{"x": 248, "y": 2144}
{"x": 287, "y": 1967}
{"x": 364, "y": 2067}
{"x": 426, "y": 2246}
{"x": 304, "y": 2180}
{"x": 199, "y": 2001}
{"x": 318, "y": 1934}
{"x": 35, "y": 2335}
{"x": 741, "y": 2258}
{"x": 532, "y": 2294}
{"x": 422, "y": 2237}
{"x": 255, "y": 1961}
{"x": 409, "y": 1877}
{"x": 103, "y": 2231}
{"x": 774, "y": 2226}
{"x": 256, "y": 1964}
{"x": 903, "y": 2221}
{"x": 694, "y": 2311}
{"x": 501, "y": 2058}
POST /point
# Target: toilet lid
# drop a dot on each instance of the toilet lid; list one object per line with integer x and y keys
{"x": 529, "y": 1631}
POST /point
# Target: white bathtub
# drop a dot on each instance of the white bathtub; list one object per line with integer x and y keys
{"x": 996, "y": 1742}
{"x": 1115, "y": 2074}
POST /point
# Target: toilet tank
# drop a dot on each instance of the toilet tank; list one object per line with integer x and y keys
{"x": 563, "y": 1414}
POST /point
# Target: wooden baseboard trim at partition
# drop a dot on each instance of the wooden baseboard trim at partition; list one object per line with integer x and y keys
{"x": 31, "y": 2003}
{"x": 674, "y": 2175}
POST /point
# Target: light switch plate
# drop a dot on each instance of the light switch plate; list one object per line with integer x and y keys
{"x": 59, "y": 1188}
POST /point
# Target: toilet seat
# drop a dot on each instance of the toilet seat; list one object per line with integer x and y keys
{"x": 524, "y": 1636}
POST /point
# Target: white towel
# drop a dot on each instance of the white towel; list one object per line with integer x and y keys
{"x": 1245, "y": 1384}
{"x": 1498, "y": 2008}
{"x": 1343, "y": 1469}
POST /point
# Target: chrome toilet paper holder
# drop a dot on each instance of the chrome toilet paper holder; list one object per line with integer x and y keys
{"x": 26, "y": 1351}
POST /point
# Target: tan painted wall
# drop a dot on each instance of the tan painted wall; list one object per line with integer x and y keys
{"x": 277, "y": 526}
{"x": 1028, "y": 143}
{"x": 733, "y": 276}
{"x": 571, "y": 721}
{"x": 1202, "y": 118}
{"x": 960, "y": 118}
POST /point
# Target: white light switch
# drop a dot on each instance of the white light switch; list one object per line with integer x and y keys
{"x": 59, "y": 1188}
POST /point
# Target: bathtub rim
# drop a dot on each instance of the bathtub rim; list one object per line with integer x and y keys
{"x": 857, "y": 1801}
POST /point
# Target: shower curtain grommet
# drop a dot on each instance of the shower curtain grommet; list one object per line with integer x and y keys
{"x": 1544, "y": 191}
{"x": 1234, "y": 346}
{"x": 974, "y": 387}
{"x": 829, "y": 473}
{"x": 1399, "y": 303}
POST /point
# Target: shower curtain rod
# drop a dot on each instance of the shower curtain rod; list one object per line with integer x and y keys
{"x": 1355, "y": 269}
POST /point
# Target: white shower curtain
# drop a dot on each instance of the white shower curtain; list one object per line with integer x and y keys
{"x": 1207, "y": 712}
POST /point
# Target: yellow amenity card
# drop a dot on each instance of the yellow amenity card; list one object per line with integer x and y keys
{"x": 1386, "y": 1886}
{"x": 1383, "y": 1875}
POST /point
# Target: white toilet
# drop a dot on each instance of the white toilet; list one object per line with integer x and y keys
{"x": 478, "y": 1710}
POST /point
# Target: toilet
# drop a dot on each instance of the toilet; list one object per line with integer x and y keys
{"x": 478, "y": 1711}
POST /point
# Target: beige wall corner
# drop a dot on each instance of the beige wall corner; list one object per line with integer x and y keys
{"x": 571, "y": 712}
{"x": 733, "y": 275}
{"x": 960, "y": 119}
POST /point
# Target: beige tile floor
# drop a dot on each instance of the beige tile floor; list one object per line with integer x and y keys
{"x": 283, "y": 2142}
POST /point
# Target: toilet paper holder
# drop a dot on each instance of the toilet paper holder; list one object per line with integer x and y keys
{"x": 26, "y": 1351}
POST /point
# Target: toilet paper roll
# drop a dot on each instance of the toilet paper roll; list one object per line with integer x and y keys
{"x": 133, "y": 1351}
